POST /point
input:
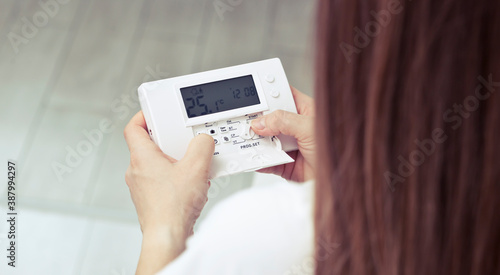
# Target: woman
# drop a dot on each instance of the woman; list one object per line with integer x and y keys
{"x": 406, "y": 175}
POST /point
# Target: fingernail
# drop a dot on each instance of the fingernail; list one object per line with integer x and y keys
{"x": 258, "y": 124}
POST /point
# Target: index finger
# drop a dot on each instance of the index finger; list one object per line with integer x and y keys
{"x": 136, "y": 133}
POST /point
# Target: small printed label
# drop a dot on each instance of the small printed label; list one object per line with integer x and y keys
{"x": 249, "y": 145}
{"x": 238, "y": 141}
{"x": 11, "y": 213}
{"x": 232, "y": 122}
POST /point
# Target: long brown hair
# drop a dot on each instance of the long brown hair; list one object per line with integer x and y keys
{"x": 408, "y": 108}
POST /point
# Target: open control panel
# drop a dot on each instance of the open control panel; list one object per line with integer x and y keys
{"x": 232, "y": 135}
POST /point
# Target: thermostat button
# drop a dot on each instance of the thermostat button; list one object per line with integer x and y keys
{"x": 247, "y": 132}
{"x": 226, "y": 139}
{"x": 212, "y": 131}
{"x": 275, "y": 93}
{"x": 270, "y": 78}
{"x": 199, "y": 133}
{"x": 216, "y": 141}
{"x": 223, "y": 129}
{"x": 252, "y": 133}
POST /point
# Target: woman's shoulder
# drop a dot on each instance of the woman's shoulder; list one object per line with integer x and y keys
{"x": 260, "y": 230}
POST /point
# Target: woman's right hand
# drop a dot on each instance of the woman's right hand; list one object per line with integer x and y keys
{"x": 301, "y": 127}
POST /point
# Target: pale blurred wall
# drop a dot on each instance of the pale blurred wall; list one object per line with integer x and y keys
{"x": 66, "y": 68}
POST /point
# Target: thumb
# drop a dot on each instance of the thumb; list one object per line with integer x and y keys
{"x": 283, "y": 122}
{"x": 199, "y": 154}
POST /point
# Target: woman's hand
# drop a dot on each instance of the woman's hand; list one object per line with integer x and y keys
{"x": 300, "y": 126}
{"x": 168, "y": 194}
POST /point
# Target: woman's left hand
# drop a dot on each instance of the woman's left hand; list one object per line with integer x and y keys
{"x": 168, "y": 194}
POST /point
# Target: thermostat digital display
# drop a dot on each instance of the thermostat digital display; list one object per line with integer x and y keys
{"x": 219, "y": 96}
{"x": 221, "y": 103}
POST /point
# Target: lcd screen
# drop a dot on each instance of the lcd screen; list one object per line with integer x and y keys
{"x": 219, "y": 96}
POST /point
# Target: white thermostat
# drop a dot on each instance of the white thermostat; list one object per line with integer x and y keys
{"x": 221, "y": 103}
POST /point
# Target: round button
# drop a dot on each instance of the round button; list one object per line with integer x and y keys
{"x": 270, "y": 78}
{"x": 247, "y": 132}
{"x": 275, "y": 93}
{"x": 251, "y": 133}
